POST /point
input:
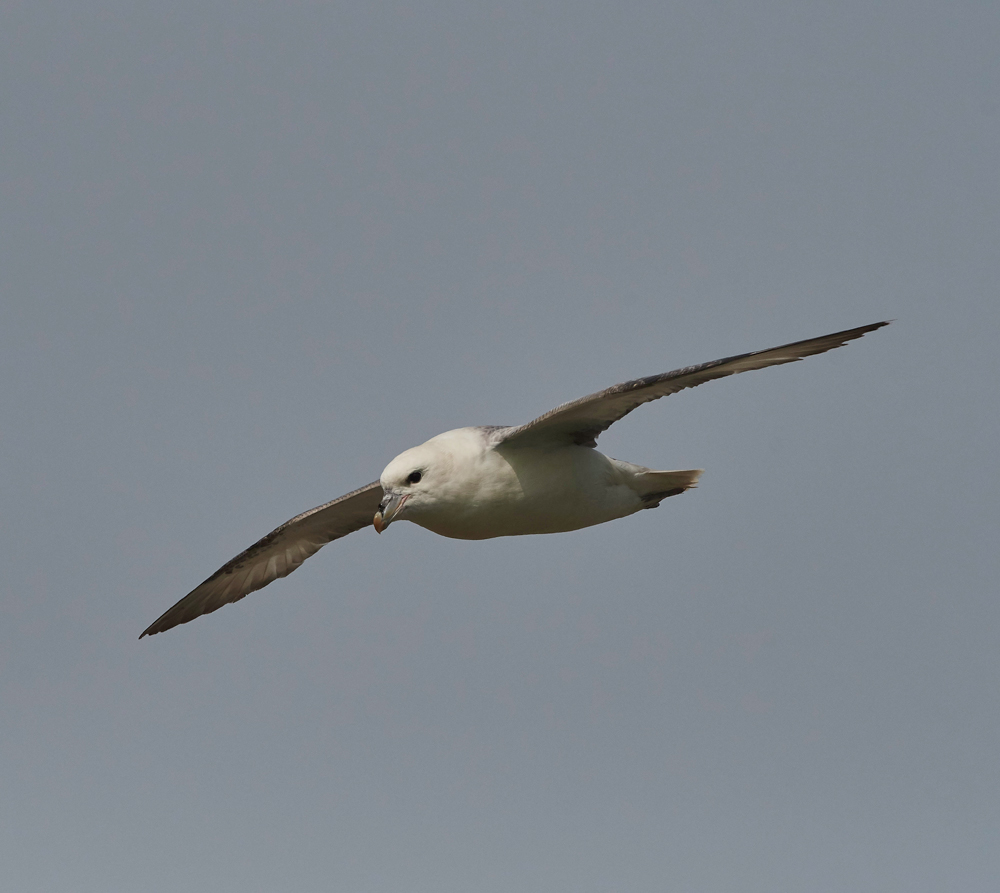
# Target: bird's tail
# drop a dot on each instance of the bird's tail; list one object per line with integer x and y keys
{"x": 655, "y": 486}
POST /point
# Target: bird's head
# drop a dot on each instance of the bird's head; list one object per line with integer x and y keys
{"x": 435, "y": 482}
{"x": 407, "y": 485}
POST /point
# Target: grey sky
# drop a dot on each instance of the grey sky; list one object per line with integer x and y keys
{"x": 250, "y": 252}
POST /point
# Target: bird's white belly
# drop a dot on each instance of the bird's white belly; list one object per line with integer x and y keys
{"x": 526, "y": 491}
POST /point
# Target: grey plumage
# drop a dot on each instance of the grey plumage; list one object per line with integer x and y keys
{"x": 582, "y": 421}
{"x": 275, "y": 555}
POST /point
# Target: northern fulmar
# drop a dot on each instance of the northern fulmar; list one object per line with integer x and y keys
{"x": 475, "y": 483}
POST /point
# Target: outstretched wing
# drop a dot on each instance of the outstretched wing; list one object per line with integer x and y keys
{"x": 276, "y": 555}
{"x": 583, "y": 420}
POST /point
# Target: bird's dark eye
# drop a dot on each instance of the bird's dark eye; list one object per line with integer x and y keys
{"x": 413, "y": 477}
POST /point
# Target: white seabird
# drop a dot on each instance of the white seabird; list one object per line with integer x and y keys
{"x": 475, "y": 483}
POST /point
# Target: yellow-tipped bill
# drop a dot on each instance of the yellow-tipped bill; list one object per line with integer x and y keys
{"x": 388, "y": 509}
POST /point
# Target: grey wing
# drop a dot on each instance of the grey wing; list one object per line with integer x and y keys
{"x": 276, "y": 555}
{"x": 581, "y": 421}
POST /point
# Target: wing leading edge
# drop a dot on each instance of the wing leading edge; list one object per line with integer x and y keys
{"x": 582, "y": 421}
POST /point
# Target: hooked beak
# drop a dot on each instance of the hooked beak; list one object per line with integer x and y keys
{"x": 388, "y": 509}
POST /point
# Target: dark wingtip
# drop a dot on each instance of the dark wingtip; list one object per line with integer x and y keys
{"x": 864, "y": 330}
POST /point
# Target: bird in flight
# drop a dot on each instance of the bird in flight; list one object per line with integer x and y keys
{"x": 475, "y": 483}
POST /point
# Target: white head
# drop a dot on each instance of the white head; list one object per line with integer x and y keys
{"x": 406, "y": 479}
{"x": 427, "y": 478}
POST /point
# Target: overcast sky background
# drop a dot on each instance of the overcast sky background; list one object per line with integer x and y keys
{"x": 250, "y": 252}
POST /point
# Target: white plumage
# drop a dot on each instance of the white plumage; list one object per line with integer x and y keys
{"x": 472, "y": 487}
